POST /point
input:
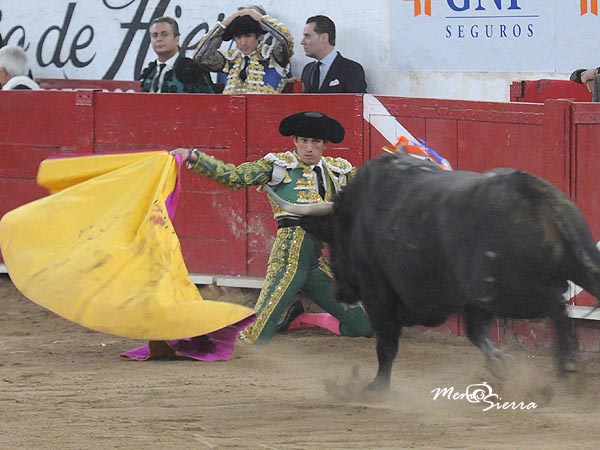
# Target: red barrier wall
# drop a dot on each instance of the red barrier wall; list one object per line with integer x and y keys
{"x": 103, "y": 85}
{"x": 33, "y": 126}
{"x": 482, "y": 135}
{"x": 222, "y": 231}
{"x": 538, "y": 91}
{"x": 226, "y": 232}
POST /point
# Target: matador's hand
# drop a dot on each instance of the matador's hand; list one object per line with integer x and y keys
{"x": 188, "y": 155}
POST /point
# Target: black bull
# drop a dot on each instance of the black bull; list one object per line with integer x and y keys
{"x": 415, "y": 244}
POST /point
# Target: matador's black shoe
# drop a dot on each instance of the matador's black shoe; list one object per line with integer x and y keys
{"x": 295, "y": 310}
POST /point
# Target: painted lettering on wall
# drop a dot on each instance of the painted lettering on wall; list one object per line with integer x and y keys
{"x": 483, "y": 5}
{"x": 56, "y": 47}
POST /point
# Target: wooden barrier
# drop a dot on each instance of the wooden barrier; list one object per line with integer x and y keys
{"x": 226, "y": 233}
{"x": 61, "y": 84}
{"x": 538, "y": 91}
{"x": 482, "y": 135}
{"x": 223, "y": 232}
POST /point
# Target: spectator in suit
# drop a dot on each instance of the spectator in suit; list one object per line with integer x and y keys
{"x": 14, "y": 70}
{"x": 172, "y": 72}
{"x": 330, "y": 73}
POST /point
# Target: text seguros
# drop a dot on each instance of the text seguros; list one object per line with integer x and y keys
{"x": 489, "y": 31}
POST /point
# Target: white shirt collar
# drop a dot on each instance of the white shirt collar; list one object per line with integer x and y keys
{"x": 328, "y": 59}
{"x": 319, "y": 164}
{"x": 169, "y": 63}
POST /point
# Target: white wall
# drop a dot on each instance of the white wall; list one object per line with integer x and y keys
{"x": 363, "y": 35}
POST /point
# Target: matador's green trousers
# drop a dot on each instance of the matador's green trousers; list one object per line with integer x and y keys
{"x": 297, "y": 264}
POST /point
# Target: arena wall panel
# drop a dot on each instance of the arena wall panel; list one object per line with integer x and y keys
{"x": 227, "y": 233}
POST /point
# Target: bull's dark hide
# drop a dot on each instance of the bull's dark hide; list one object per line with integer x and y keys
{"x": 415, "y": 244}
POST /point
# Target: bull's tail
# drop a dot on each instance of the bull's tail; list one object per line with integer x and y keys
{"x": 574, "y": 231}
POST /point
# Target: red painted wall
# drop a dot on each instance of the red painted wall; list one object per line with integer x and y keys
{"x": 555, "y": 140}
{"x": 228, "y": 232}
{"x": 538, "y": 91}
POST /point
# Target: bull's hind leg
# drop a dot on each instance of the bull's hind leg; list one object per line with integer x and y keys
{"x": 477, "y": 324}
{"x": 564, "y": 343}
{"x": 386, "y": 325}
{"x": 387, "y": 347}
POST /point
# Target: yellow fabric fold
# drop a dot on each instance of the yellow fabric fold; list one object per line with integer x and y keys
{"x": 101, "y": 251}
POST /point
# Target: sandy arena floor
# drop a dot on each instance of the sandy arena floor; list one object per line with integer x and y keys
{"x": 63, "y": 387}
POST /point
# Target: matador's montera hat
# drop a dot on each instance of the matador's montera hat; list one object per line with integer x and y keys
{"x": 242, "y": 25}
{"x": 314, "y": 125}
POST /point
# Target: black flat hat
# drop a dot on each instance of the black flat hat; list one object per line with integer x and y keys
{"x": 242, "y": 25}
{"x": 312, "y": 124}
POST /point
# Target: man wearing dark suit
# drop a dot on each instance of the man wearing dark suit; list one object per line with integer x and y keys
{"x": 172, "y": 72}
{"x": 331, "y": 73}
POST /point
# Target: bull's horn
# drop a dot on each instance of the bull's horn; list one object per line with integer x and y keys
{"x": 312, "y": 209}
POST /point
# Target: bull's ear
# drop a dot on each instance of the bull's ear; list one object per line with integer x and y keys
{"x": 320, "y": 227}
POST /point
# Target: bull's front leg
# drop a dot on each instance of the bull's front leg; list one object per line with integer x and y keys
{"x": 387, "y": 348}
{"x": 477, "y": 325}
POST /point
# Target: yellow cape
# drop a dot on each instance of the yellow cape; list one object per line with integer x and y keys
{"x": 101, "y": 251}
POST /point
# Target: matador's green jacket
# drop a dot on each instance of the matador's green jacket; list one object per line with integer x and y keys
{"x": 296, "y": 262}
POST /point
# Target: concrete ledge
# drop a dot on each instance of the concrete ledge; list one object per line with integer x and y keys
{"x": 202, "y": 279}
{"x": 227, "y": 280}
{"x": 241, "y": 282}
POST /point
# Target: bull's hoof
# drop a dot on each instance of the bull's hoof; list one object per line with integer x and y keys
{"x": 567, "y": 368}
{"x": 378, "y": 386}
{"x": 497, "y": 366}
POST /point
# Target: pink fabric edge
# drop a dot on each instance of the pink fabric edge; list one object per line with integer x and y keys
{"x": 173, "y": 197}
{"x": 320, "y": 320}
{"x": 215, "y": 346}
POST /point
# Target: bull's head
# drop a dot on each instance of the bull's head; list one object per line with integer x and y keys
{"x": 318, "y": 219}
{"x": 313, "y": 209}
{"x": 315, "y": 218}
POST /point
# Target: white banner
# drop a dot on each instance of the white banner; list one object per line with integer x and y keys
{"x": 445, "y": 44}
{"x": 100, "y": 39}
{"x": 493, "y": 35}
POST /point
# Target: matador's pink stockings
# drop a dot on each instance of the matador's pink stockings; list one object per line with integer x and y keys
{"x": 321, "y": 320}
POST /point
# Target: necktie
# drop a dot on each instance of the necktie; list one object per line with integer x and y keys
{"x": 320, "y": 183}
{"x": 157, "y": 77}
{"x": 316, "y": 77}
{"x": 244, "y": 69}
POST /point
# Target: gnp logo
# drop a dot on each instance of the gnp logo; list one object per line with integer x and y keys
{"x": 424, "y": 6}
{"x": 417, "y": 3}
{"x": 588, "y": 6}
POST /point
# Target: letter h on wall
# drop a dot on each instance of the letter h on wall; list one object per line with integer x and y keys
{"x": 427, "y": 7}
{"x": 593, "y": 7}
